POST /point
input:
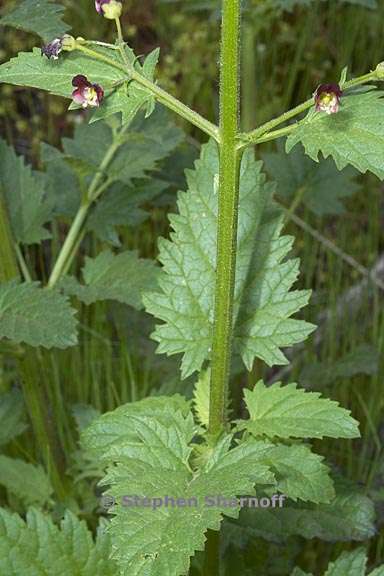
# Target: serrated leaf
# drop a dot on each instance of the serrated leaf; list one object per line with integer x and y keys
{"x": 352, "y": 136}
{"x": 132, "y": 97}
{"x": 12, "y": 416}
{"x": 148, "y": 457}
{"x": 55, "y": 76}
{"x": 36, "y": 316}
{"x": 13, "y": 474}
{"x": 263, "y": 303}
{"x": 321, "y": 186}
{"x": 43, "y": 17}
{"x": 300, "y": 474}
{"x": 24, "y": 193}
{"x": 62, "y": 182}
{"x": 348, "y": 564}
{"x": 142, "y": 147}
{"x": 30, "y": 69}
{"x": 290, "y": 412}
{"x": 119, "y": 206}
{"x": 39, "y": 548}
{"x": 349, "y": 516}
{"x": 114, "y": 429}
{"x": 122, "y": 277}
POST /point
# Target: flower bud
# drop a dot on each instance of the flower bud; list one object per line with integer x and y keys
{"x": 68, "y": 42}
{"x": 380, "y": 71}
{"x": 110, "y": 9}
{"x": 53, "y": 48}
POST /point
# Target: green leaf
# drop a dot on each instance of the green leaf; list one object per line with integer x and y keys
{"x": 36, "y": 316}
{"x": 37, "y": 547}
{"x": 349, "y": 564}
{"x": 290, "y": 412}
{"x": 363, "y": 359}
{"x": 201, "y": 397}
{"x": 55, "y": 76}
{"x": 122, "y": 277}
{"x": 352, "y": 136}
{"x": 300, "y": 473}
{"x": 24, "y": 193}
{"x": 114, "y": 429}
{"x": 130, "y": 98}
{"x": 148, "y": 457}
{"x": 13, "y": 474}
{"x": 12, "y": 416}
{"x": 263, "y": 303}
{"x": 141, "y": 148}
{"x": 320, "y": 186}
{"x": 299, "y": 572}
{"x": 119, "y": 206}
{"x": 62, "y": 182}
{"x": 378, "y": 571}
{"x": 43, "y": 17}
{"x": 349, "y": 516}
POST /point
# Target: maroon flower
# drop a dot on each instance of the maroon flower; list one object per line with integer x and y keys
{"x": 327, "y": 98}
{"x": 86, "y": 93}
{"x": 109, "y": 8}
{"x": 53, "y": 49}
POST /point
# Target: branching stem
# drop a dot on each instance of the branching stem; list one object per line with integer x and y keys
{"x": 266, "y": 131}
{"x": 161, "y": 95}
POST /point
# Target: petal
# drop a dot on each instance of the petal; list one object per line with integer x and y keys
{"x": 78, "y": 96}
{"x": 99, "y": 92}
{"x": 80, "y": 81}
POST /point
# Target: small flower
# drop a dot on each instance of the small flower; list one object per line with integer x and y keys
{"x": 110, "y": 9}
{"x": 86, "y": 93}
{"x": 327, "y": 98}
{"x": 53, "y": 49}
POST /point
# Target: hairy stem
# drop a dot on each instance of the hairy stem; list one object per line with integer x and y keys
{"x": 227, "y": 216}
{"x": 29, "y": 365}
{"x": 161, "y": 95}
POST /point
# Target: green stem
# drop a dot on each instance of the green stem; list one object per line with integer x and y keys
{"x": 76, "y": 230}
{"x": 69, "y": 242}
{"x": 264, "y": 132}
{"x": 227, "y": 216}
{"x": 29, "y": 364}
{"x": 23, "y": 266}
{"x": 161, "y": 95}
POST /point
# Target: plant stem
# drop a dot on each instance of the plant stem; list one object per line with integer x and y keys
{"x": 29, "y": 366}
{"x": 227, "y": 216}
{"x": 77, "y": 227}
{"x": 70, "y": 240}
{"x": 264, "y": 132}
{"x": 161, "y": 95}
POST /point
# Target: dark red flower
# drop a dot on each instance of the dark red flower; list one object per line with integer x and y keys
{"x": 327, "y": 98}
{"x": 86, "y": 93}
